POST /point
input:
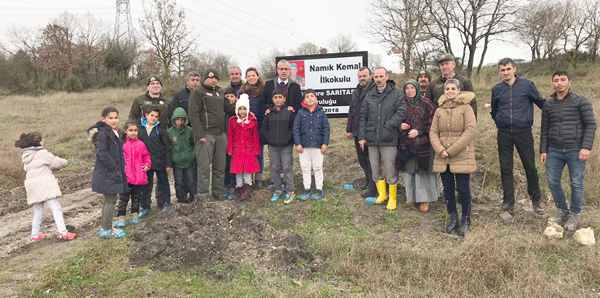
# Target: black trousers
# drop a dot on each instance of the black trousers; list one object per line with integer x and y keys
{"x": 523, "y": 141}
{"x": 363, "y": 160}
{"x": 135, "y": 192}
{"x": 163, "y": 190}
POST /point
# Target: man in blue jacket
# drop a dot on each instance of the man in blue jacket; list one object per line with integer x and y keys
{"x": 512, "y": 110}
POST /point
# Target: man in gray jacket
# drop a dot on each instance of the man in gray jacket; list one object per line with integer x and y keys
{"x": 382, "y": 112}
{"x": 568, "y": 129}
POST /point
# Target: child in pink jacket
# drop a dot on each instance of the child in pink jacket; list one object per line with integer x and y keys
{"x": 137, "y": 163}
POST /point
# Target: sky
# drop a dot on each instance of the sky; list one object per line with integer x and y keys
{"x": 240, "y": 28}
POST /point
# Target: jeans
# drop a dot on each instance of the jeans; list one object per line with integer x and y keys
{"x": 555, "y": 163}
{"x": 523, "y": 141}
{"x": 281, "y": 162}
{"x": 464, "y": 190}
{"x": 185, "y": 183}
{"x": 163, "y": 190}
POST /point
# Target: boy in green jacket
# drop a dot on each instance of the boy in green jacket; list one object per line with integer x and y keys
{"x": 183, "y": 154}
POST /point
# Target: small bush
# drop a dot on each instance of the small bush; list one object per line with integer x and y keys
{"x": 72, "y": 84}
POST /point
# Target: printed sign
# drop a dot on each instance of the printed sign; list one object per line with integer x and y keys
{"x": 333, "y": 77}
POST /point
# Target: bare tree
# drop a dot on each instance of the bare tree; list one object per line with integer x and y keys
{"x": 374, "y": 60}
{"x": 27, "y": 40}
{"x": 438, "y": 23}
{"x": 537, "y": 24}
{"x": 342, "y": 44}
{"x": 266, "y": 63}
{"x": 574, "y": 34}
{"x": 398, "y": 25}
{"x": 593, "y": 28}
{"x": 307, "y": 48}
{"x": 164, "y": 27}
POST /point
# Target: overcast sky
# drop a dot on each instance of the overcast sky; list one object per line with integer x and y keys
{"x": 240, "y": 28}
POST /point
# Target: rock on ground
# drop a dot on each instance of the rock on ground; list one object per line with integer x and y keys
{"x": 585, "y": 237}
{"x": 553, "y": 231}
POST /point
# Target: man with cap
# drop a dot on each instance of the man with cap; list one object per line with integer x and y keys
{"x": 152, "y": 98}
{"x": 207, "y": 116}
{"x": 423, "y": 79}
{"x": 235, "y": 76}
{"x": 448, "y": 69}
{"x": 182, "y": 97}
{"x": 292, "y": 90}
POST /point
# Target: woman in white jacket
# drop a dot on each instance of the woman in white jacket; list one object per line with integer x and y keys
{"x": 41, "y": 185}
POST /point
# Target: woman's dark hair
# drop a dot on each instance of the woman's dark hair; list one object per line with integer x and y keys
{"x": 125, "y": 127}
{"x": 31, "y": 139}
{"x": 109, "y": 110}
{"x": 254, "y": 90}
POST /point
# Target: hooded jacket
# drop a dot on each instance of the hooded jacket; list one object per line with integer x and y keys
{"x": 157, "y": 143}
{"x": 109, "y": 170}
{"x": 311, "y": 128}
{"x": 278, "y": 128}
{"x": 381, "y": 115}
{"x": 40, "y": 183}
{"x": 512, "y": 105}
{"x": 243, "y": 144}
{"x": 453, "y": 129}
{"x": 183, "y": 148}
{"x": 358, "y": 96}
{"x": 136, "y": 156}
{"x": 207, "y": 109}
{"x": 142, "y": 103}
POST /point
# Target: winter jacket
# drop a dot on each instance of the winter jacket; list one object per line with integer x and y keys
{"x": 235, "y": 88}
{"x": 453, "y": 129}
{"x": 311, "y": 128}
{"x": 354, "y": 113}
{"x": 243, "y": 145}
{"x": 109, "y": 170}
{"x": 567, "y": 123}
{"x": 136, "y": 156}
{"x": 278, "y": 128}
{"x": 436, "y": 89}
{"x": 183, "y": 148}
{"x": 207, "y": 111}
{"x": 181, "y": 99}
{"x": 257, "y": 106}
{"x": 294, "y": 95}
{"x": 381, "y": 115}
{"x": 512, "y": 105}
{"x": 142, "y": 103}
{"x": 40, "y": 184}
{"x": 157, "y": 143}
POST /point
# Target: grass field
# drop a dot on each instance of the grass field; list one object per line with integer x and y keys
{"x": 371, "y": 252}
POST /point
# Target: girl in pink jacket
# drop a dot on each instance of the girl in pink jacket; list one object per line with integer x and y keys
{"x": 41, "y": 185}
{"x": 137, "y": 163}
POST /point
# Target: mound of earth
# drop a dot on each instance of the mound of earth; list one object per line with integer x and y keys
{"x": 212, "y": 237}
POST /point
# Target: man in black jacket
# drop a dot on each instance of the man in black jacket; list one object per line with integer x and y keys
{"x": 512, "y": 110}
{"x": 235, "y": 77}
{"x": 364, "y": 83}
{"x": 153, "y": 98}
{"x": 182, "y": 97}
{"x": 567, "y": 136}
{"x": 292, "y": 91}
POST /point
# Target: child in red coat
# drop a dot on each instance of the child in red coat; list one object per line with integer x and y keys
{"x": 243, "y": 146}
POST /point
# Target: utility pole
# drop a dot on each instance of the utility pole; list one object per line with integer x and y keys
{"x": 123, "y": 26}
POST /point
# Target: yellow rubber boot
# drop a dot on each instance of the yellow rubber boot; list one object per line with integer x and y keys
{"x": 382, "y": 194}
{"x": 392, "y": 202}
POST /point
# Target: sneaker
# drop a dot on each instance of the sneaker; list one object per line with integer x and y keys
{"x": 166, "y": 208}
{"x": 111, "y": 234}
{"x": 277, "y": 195}
{"x": 318, "y": 194}
{"x": 37, "y": 238}
{"x": 134, "y": 221}
{"x": 560, "y": 217}
{"x": 289, "y": 197}
{"x": 305, "y": 195}
{"x": 572, "y": 222}
{"x": 66, "y": 235}
{"x": 120, "y": 224}
{"x": 143, "y": 213}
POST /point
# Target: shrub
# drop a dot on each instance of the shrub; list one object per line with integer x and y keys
{"x": 72, "y": 84}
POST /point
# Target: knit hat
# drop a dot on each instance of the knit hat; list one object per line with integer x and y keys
{"x": 244, "y": 101}
{"x": 425, "y": 72}
{"x": 278, "y": 91}
{"x": 210, "y": 72}
{"x": 445, "y": 57}
{"x": 153, "y": 78}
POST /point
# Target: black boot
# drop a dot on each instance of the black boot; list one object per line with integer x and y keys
{"x": 371, "y": 190}
{"x": 537, "y": 208}
{"x": 465, "y": 222}
{"x": 453, "y": 225}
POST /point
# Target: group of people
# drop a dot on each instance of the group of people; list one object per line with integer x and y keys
{"x": 427, "y": 128}
{"x": 213, "y": 139}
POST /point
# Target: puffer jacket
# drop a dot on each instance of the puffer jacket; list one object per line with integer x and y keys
{"x": 311, "y": 128}
{"x": 109, "y": 170}
{"x": 381, "y": 114}
{"x": 183, "y": 152}
{"x": 207, "y": 110}
{"x": 142, "y": 103}
{"x": 157, "y": 143}
{"x": 512, "y": 105}
{"x": 278, "y": 128}
{"x": 136, "y": 156}
{"x": 40, "y": 184}
{"x": 453, "y": 129}
{"x": 568, "y": 123}
{"x": 243, "y": 145}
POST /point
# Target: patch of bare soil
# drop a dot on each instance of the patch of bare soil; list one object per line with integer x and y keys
{"x": 213, "y": 237}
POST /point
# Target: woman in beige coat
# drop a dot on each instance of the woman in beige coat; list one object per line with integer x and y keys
{"x": 41, "y": 185}
{"x": 451, "y": 135}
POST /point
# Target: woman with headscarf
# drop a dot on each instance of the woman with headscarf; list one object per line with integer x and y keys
{"x": 452, "y": 132}
{"x": 415, "y": 157}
